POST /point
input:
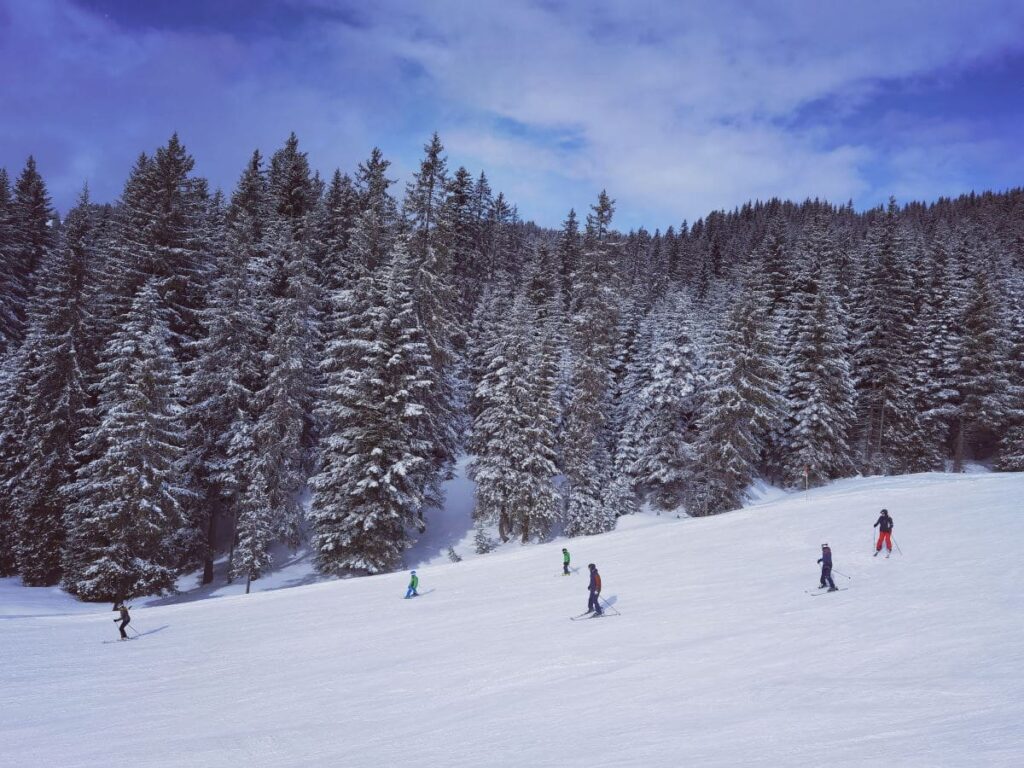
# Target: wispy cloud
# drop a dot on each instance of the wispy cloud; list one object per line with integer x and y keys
{"x": 675, "y": 108}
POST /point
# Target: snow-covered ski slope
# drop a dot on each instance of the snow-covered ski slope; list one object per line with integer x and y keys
{"x": 718, "y": 659}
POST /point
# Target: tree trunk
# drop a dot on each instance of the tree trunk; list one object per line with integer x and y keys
{"x": 958, "y": 446}
{"x": 248, "y": 581}
{"x": 210, "y": 545}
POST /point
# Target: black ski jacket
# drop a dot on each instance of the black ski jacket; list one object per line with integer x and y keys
{"x": 826, "y": 557}
{"x": 886, "y": 522}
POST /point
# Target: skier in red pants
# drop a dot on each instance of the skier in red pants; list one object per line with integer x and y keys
{"x": 884, "y": 525}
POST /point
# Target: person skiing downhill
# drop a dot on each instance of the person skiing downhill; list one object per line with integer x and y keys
{"x": 125, "y": 618}
{"x": 414, "y": 581}
{"x": 594, "y": 605}
{"x": 565, "y": 561}
{"x": 826, "y": 568}
{"x": 884, "y": 525}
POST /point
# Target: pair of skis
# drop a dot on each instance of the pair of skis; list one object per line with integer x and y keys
{"x": 816, "y": 592}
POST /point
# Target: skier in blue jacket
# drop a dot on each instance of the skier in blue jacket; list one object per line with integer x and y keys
{"x": 826, "y": 568}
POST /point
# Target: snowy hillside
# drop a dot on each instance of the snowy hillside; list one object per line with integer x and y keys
{"x": 718, "y": 658}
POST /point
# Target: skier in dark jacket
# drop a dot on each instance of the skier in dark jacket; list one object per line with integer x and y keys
{"x": 884, "y": 525}
{"x": 826, "y": 568}
{"x": 594, "y": 605}
{"x": 125, "y": 618}
{"x": 565, "y": 561}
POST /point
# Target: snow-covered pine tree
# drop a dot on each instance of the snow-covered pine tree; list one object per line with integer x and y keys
{"x": 437, "y": 305}
{"x": 279, "y": 422}
{"x": 587, "y": 459}
{"x": 1011, "y": 449}
{"x": 370, "y": 486}
{"x": 937, "y": 342}
{"x": 29, "y": 223}
{"x": 882, "y": 360}
{"x": 741, "y": 406}
{"x": 227, "y": 368}
{"x": 51, "y": 398}
{"x": 661, "y": 423}
{"x": 128, "y": 497}
{"x": 819, "y": 389}
{"x": 569, "y": 250}
{"x": 513, "y": 436}
{"x": 982, "y": 382}
{"x": 457, "y": 230}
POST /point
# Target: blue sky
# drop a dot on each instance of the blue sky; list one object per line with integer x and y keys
{"x": 677, "y": 108}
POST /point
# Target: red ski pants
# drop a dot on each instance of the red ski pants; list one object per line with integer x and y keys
{"x": 886, "y": 538}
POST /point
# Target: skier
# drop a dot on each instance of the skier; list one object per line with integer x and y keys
{"x": 884, "y": 525}
{"x": 593, "y": 605}
{"x": 565, "y": 561}
{"x": 125, "y": 618}
{"x": 414, "y": 581}
{"x": 826, "y": 568}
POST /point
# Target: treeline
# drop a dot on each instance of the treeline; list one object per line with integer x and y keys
{"x": 183, "y": 374}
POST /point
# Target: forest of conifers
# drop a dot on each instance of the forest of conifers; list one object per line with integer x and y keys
{"x": 185, "y": 373}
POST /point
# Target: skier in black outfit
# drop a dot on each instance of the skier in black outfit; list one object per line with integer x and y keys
{"x": 884, "y": 525}
{"x": 594, "y": 605}
{"x": 826, "y": 568}
{"x": 125, "y": 618}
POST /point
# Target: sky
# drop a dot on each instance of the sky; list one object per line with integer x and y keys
{"x": 676, "y": 108}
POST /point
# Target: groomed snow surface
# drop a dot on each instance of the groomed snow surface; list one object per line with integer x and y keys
{"x": 718, "y": 658}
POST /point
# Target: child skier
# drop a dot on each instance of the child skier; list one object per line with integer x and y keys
{"x": 414, "y": 581}
{"x": 826, "y": 568}
{"x": 565, "y": 561}
{"x": 884, "y": 525}
{"x": 125, "y": 617}
{"x": 594, "y": 605}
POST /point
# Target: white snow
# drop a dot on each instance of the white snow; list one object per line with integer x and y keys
{"x": 718, "y": 658}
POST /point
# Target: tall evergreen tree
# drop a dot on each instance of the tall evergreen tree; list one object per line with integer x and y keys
{"x": 887, "y": 422}
{"x": 661, "y": 423}
{"x": 370, "y": 487}
{"x": 819, "y": 392}
{"x": 587, "y": 456}
{"x": 128, "y": 498}
{"x": 29, "y": 223}
{"x": 513, "y": 438}
{"x": 51, "y": 369}
{"x": 741, "y": 406}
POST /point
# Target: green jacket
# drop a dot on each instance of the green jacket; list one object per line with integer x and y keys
{"x": 414, "y": 581}
{"x": 565, "y": 557}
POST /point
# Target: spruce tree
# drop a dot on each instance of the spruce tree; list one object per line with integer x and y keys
{"x": 661, "y": 424}
{"x": 820, "y": 394}
{"x": 29, "y": 223}
{"x": 982, "y": 382}
{"x": 882, "y": 360}
{"x": 51, "y": 369}
{"x": 370, "y": 487}
{"x": 741, "y": 406}
{"x": 587, "y": 456}
{"x": 128, "y": 498}
{"x": 513, "y": 437}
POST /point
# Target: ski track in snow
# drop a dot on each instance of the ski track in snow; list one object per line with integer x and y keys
{"x": 718, "y": 658}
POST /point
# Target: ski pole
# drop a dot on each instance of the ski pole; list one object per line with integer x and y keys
{"x": 842, "y": 574}
{"x": 133, "y": 629}
{"x": 897, "y": 546}
{"x": 612, "y": 607}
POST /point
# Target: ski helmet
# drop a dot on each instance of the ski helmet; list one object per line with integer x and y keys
{"x": 885, "y": 511}
{"x": 591, "y": 566}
